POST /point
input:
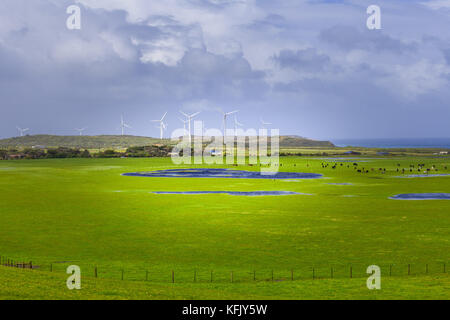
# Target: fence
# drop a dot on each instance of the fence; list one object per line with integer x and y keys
{"x": 202, "y": 275}
{"x": 6, "y": 262}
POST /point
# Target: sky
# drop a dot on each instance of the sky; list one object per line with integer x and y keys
{"x": 311, "y": 68}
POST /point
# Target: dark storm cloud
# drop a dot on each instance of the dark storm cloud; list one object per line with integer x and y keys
{"x": 270, "y": 21}
{"x": 446, "y": 53}
{"x": 302, "y": 60}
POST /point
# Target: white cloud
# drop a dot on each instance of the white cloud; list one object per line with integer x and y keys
{"x": 218, "y": 21}
{"x": 167, "y": 51}
{"x": 416, "y": 79}
{"x": 122, "y": 48}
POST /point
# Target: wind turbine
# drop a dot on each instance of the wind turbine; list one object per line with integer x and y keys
{"x": 189, "y": 119}
{"x": 236, "y": 124}
{"x": 81, "y": 130}
{"x": 265, "y": 124}
{"x": 22, "y": 131}
{"x": 123, "y": 125}
{"x": 162, "y": 125}
{"x": 225, "y": 115}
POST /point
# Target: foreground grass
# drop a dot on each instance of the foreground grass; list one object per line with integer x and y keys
{"x": 37, "y": 285}
{"x": 83, "y": 212}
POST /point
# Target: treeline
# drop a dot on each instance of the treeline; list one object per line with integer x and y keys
{"x": 53, "y": 153}
{"x": 63, "y": 152}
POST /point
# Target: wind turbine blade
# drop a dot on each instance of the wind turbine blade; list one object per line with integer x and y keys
{"x": 184, "y": 114}
{"x": 195, "y": 114}
{"x": 165, "y": 114}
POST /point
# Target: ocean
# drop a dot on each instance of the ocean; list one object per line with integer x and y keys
{"x": 439, "y": 143}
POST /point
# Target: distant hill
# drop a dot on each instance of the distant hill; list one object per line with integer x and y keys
{"x": 113, "y": 142}
{"x": 296, "y": 142}
{"x": 85, "y": 142}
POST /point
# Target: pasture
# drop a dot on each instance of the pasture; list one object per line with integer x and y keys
{"x": 84, "y": 212}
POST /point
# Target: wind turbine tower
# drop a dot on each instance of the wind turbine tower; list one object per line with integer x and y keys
{"x": 225, "y": 116}
{"x": 236, "y": 125}
{"x": 184, "y": 123}
{"x": 162, "y": 125}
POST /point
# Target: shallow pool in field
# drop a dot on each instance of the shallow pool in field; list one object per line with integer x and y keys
{"x": 235, "y": 193}
{"x": 422, "y": 196}
{"x": 424, "y": 175}
{"x": 222, "y": 173}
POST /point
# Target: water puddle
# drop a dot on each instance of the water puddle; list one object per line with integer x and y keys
{"x": 422, "y": 196}
{"x": 222, "y": 173}
{"x": 424, "y": 175}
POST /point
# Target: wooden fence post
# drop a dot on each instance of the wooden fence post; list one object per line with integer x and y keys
{"x": 96, "y": 272}
{"x": 173, "y": 276}
{"x": 409, "y": 269}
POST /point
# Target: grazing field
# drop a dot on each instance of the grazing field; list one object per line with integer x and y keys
{"x": 84, "y": 212}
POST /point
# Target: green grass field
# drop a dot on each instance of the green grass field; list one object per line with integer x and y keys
{"x": 82, "y": 211}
